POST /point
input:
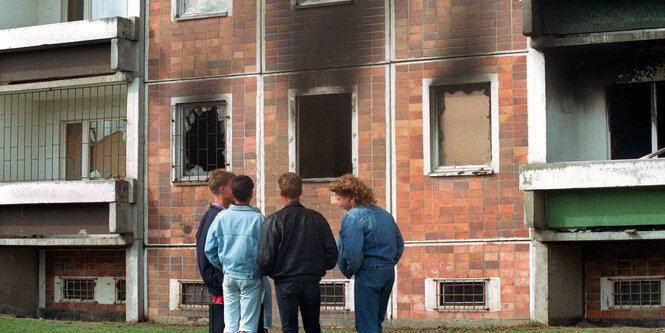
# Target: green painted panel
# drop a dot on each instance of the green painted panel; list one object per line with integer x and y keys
{"x": 561, "y": 17}
{"x": 606, "y": 207}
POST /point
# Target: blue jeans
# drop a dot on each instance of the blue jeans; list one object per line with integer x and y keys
{"x": 371, "y": 293}
{"x": 242, "y": 304}
{"x": 303, "y": 294}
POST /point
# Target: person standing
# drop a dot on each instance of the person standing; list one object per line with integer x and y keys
{"x": 296, "y": 248}
{"x": 232, "y": 245}
{"x": 370, "y": 245}
{"x": 219, "y": 182}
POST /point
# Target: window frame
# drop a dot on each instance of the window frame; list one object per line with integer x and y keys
{"x": 300, "y": 4}
{"x": 104, "y": 289}
{"x": 175, "y": 295}
{"x": 430, "y": 146}
{"x": 177, "y": 103}
{"x": 293, "y": 95}
{"x": 492, "y": 295}
{"x": 607, "y": 292}
{"x": 178, "y": 7}
{"x": 348, "y": 294}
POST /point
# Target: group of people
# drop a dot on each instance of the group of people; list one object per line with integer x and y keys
{"x": 237, "y": 247}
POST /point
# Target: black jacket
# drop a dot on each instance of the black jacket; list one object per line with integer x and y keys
{"x": 212, "y": 277}
{"x": 296, "y": 245}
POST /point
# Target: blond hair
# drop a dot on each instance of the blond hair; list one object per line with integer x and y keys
{"x": 351, "y": 186}
{"x": 217, "y": 178}
{"x": 291, "y": 185}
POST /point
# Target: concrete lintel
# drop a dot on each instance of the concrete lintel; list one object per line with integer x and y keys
{"x": 598, "y": 38}
{"x": 556, "y": 236}
{"x": 60, "y": 34}
{"x": 593, "y": 174}
{"x": 59, "y": 192}
{"x": 68, "y": 83}
{"x": 106, "y": 240}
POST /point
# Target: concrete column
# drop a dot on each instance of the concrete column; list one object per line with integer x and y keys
{"x": 134, "y": 262}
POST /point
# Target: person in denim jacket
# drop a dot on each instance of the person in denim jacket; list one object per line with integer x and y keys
{"x": 370, "y": 245}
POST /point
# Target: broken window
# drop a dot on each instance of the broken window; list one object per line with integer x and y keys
{"x": 323, "y": 127}
{"x": 636, "y": 129}
{"x": 201, "y": 140}
{"x": 201, "y": 8}
{"x": 460, "y": 126}
{"x": 101, "y": 154}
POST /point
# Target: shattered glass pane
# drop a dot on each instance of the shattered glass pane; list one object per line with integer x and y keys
{"x": 108, "y": 148}
{"x": 205, "y": 139}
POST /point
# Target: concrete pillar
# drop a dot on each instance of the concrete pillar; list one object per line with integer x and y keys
{"x": 134, "y": 262}
{"x": 19, "y": 281}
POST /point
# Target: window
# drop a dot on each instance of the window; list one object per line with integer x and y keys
{"x": 336, "y": 294}
{"x": 462, "y": 294}
{"x": 200, "y": 135}
{"x": 94, "y": 9}
{"x": 87, "y": 289}
{"x": 120, "y": 290}
{"x": 77, "y": 289}
{"x": 22, "y": 13}
{"x": 461, "y": 132}
{"x": 188, "y": 294}
{"x": 637, "y": 119}
{"x": 104, "y": 145}
{"x": 321, "y": 130}
{"x": 632, "y": 292}
{"x": 315, "y": 3}
{"x": 191, "y": 9}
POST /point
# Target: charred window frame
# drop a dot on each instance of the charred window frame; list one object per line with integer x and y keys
{"x": 196, "y": 9}
{"x": 315, "y": 155}
{"x": 200, "y": 137}
{"x": 317, "y": 3}
{"x": 636, "y": 113}
{"x": 461, "y": 126}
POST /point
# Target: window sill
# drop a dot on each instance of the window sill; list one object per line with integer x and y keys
{"x": 322, "y": 3}
{"x": 461, "y": 171}
{"x": 200, "y": 16}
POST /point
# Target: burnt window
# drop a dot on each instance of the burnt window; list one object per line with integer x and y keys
{"x": 194, "y": 294}
{"x": 200, "y": 140}
{"x": 323, "y": 130}
{"x": 637, "y": 293}
{"x": 461, "y": 294}
{"x": 79, "y": 289}
{"x": 460, "y": 128}
{"x": 637, "y": 119}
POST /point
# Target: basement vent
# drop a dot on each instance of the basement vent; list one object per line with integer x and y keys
{"x": 336, "y": 294}
{"x": 82, "y": 290}
{"x": 194, "y": 294}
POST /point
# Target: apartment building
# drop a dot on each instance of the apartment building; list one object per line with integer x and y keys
{"x": 71, "y": 164}
{"x": 424, "y": 100}
{"x": 594, "y": 183}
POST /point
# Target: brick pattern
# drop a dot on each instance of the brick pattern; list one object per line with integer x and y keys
{"x": 166, "y": 264}
{"x": 621, "y": 259}
{"x": 84, "y": 263}
{"x": 199, "y": 47}
{"x": 435, "y": 28}
{"x": 508, "y": 262}
{"x": 491, "y": 206}
{"x": 328, "y": 36}
{"x": 174, "y": 211}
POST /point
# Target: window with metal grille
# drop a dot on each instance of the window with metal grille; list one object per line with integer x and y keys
{"x": 200, "y": 140}
{"x": 194, "y": 294}
{"x": 637, "y": 292}
{"x": 461, "y": 294}
{"x": 120, "y": 290}
{"x": 79, "y": 289}
{"x": 333, "y": 294}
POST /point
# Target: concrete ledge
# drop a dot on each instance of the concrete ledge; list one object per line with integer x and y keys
{"x": 59, "y": 192}
{"x": 113, "y": 240}
{"x": 60, "y": 34}
{"x": 557, "y": 236}
{"x": 594, "y": 174}
{"x": 598, "y": 38}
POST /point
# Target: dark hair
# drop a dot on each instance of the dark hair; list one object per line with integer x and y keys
{"x": 242, "y": 187}
{"x": 217, "y": 178}
{"x": 291, "y": 185}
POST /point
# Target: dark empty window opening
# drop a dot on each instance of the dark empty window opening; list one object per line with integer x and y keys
{"x": 637, "y": 119}
{"x": 324, "y": 135}
{"x": 120, "y": 290}
{"x": 332, "y": 294}
{"x": 204, "y": 142}
{"x": 194, "y": 294}
{"x": 461, "y": 295}
{"x": 637, "y": 293}
{"x": 78, "y": 289}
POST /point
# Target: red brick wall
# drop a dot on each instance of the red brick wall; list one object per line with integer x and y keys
{"x": 83, "y": 263}
{"x": 200, "y": 47}
{"x": 621, "y": 259}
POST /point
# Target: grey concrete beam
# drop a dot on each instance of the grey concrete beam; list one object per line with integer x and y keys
{"x": 596, "y": 174}
{"x": 107, "y": 240}
{"x": 57, "y": 192}
{"x": 598, "y": 38}
{"x": 68, "y": 33}
{"x": 630, "y": 235}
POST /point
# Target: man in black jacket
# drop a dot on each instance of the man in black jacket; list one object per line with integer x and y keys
{"x": 295, "y": 250}
{"x": 219, "y": 182}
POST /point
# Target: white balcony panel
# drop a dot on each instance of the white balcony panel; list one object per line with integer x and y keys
{"x": 62, "y": 192}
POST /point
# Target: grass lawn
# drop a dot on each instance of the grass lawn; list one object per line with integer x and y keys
{"x": 11, "y": 324}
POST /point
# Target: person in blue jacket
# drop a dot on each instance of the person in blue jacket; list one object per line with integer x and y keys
{"x": 370, "y": 245}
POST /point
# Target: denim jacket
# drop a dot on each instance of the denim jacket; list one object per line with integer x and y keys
{"x": 232, "y": 243}
{"x": 368, "y": 239}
